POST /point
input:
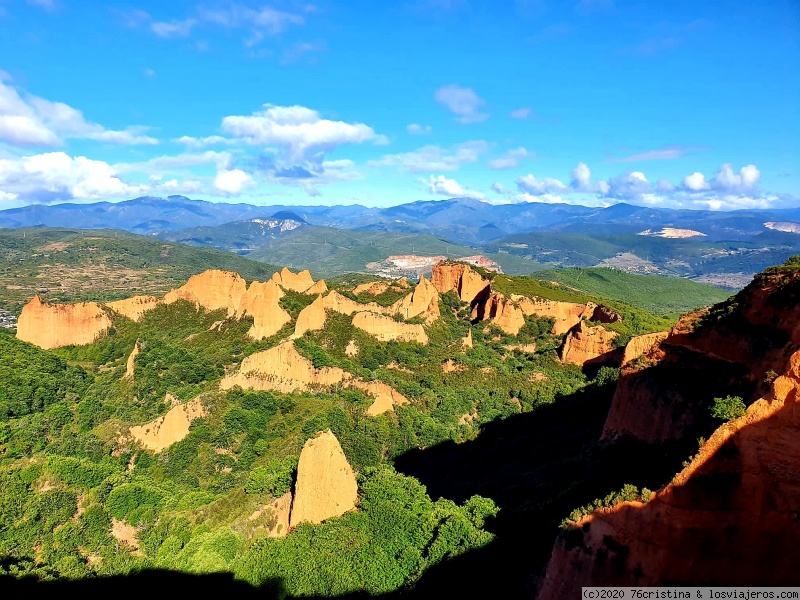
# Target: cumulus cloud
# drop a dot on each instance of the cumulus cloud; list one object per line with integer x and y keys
{"x": 531, "y": 185}
{"x": 521, "y": 113}
{"x": 417, "y": 129}
{"x": 744, "y": 181}
{"x": 56, "y": 176}
{"x": 462, "y": 102}
{"x": 434, "y": 158}
{"x": 171, "y": 29}
{"x": 696, "y": 182}
{"x": 169, "y": 163}
{"x": 581, "y": 181}
{"x": 233, "y": 182}
{"x": 28, "y": 120}
{"x": 297, "y": 129}
{"x": 441, "y": 186}
{"x": 509, "y": 160}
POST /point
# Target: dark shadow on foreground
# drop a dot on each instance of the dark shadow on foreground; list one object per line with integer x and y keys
{"x": 536, "y": 466}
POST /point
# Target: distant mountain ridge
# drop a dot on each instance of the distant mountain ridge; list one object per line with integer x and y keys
{"x": 460, "y": 220}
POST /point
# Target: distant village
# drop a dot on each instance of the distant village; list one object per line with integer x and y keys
{"x": 7, "y": 320}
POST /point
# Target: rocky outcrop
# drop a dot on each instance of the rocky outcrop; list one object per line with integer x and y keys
{"x": 134, "y": 308}
{"x": 311, "y": 318}
{"x": 422, "y": 302}
{"x": 284, "y": 369}
{"x": 262, "y": 303}
{"x": 466, "y": 342}
{"x": 373, "y": 288}
{"x": 386, "y": 329}
{"x": 56, "y": 325}
{"x": 727, "y": 350}
{"x": 277, "y": 516}
{"x": 500, "y": 312}
{"x": 320, "y": 287}
{"x": 211, "y": 290}
{"x": 386, "y": 397}
{"x": 451, "y": 366}
{"x": 352, "y": 349}
{"x": 162, "y": 432}
{"x": 467, "y": 283}
{"x": 524, "y": 348}
{"x": 342, "y": 304}
{"x": 565, "y": 314}
{"x": 131, "y": 363}
{"x": 588, "y": 345}
{"x": 326, "y": 484}
{"x": 641, "y": 344}
{"x": 297, "y": 282}
{"x": 729, "y": 518}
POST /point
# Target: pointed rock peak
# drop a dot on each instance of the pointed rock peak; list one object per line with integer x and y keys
{"x": 326, "y": 484}
{"x": 320, "y": 287}
{"x": 297, "y": 282}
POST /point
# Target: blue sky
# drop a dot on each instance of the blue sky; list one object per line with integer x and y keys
{"x": 678, "y": 104}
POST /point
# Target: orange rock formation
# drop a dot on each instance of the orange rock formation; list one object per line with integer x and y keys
{"x": 55, "y": 325}
{"x": 284, "y": 369}
{"x": 386, "y": 329}
{"x": 212, "y": 290}
{"x": 423, "y": 301}
{"x": 587, "y": 345}
{"x": 162, "y": 432}
{"x": 468, "y": 284}
{"x": 130, "y": 364}
{"x": 326, "y": 485}
{"x": 729, "y": 518}
{"x": 261, "y": 301}
{"x": 298, "y": 282}
{"x": 133, "y": 308}
{"x": 318, "y": 288}
{"x": 641, "y": 344}
{"x": 501, "y": 312}
{"x": 311, "y": 318}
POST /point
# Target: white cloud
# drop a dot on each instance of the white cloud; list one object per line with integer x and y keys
{"x": 164, "y": 164}
{"x": 28, "y": 120}
{"x": 440, "y": 185}
{"x": 149, "y": 73}
{"x": 747, "y": 178}
{"x": 509, "y": 160}
{"x": 461, "y": 101}
{"x": 531, "y": 185}
{"x": 57, "y": 176}
{"x": 232, "y": 182}
{"x": 417, "y": 129}
{"x": 297, "y": 129}
{"x": 172, "y": 29}
{"x": 696, "y": 182}
{"x": 194, "y": 142}
{"x": 434, "y": 158}
{"x": 500, "y": 188}
{"x": 521, "y": 113}
{"x": 8, "y": 196}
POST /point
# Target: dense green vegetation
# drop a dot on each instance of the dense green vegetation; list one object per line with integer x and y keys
{"x": 71, "y": 473}
{"x": 67, "y": 265}
{"x": 659, "y": 295}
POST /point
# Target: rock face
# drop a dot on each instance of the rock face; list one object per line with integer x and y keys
{"x": 164, "y": 431}
{"x": 298, "y": 282}
{"x": 423, "y": 301}
{"x": 468, "y": 284}
{"x": 134, "y": 308}
{"x": 284, "y": 369}
{"x": 386, "y": 329}
{"x": 588, "y": 345}
{"x": 566, "y": 314}
{"x": 320, "y": 287}
{"x": 326, "y": 485}
{"x": 56, "y": 325}
{"x": 212, "y": 290}
{"x": 261, "y": 301}
{"x": 311, "y": 318}
{"x": 131, "y": 363}
{"x": 466, "y": 342}
{"x": 728, "y": 350}
{"x": 342, "y": 304}
{"x": 500, "y": 312}
{"x": 729, "y": 518}
{"x": 641, "y": 344}
{"x": 386, "y": 397}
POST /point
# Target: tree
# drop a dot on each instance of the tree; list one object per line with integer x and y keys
{"x": 728, "y": 408}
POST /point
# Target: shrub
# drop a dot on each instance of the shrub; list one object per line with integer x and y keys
{"x": 728, "y": 408}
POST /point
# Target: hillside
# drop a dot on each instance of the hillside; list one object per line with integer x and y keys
{"x": 241, "y": 237}
{"x": 660, "y": 295}
{"x": 326, "y": 251}
{"x": 65, "y": 265}
{"x": 378, "y": 437}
